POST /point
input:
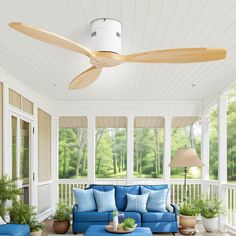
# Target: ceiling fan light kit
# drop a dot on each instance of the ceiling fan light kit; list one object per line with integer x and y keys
{"x": 106, "y": 41}
{"x": 106, "y": 35}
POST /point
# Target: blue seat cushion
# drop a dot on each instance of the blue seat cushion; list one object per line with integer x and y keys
{"x": 15, "y": 229}
{"x": 103, "y": 188}
{"x": 129, "y": 214}
{"x": 158, "y": 217}
{"x": 91, "y": 216}
{"x": 120, "y": 195}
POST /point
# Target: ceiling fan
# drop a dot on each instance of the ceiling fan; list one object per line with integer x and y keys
{"x": 106, "y": 40}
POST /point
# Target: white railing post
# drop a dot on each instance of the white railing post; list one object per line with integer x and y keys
{"x": 91, "y": 148}
{"x": 130, "y": 149}
{"x": 205, "y": 152}
{"x": 167, "y": 149}
{"x": 222, "y": 156}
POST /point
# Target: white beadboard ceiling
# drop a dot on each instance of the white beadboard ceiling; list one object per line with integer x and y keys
{"x": 146, "y": 25}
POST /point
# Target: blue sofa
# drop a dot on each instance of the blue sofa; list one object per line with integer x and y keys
{"x": 14, "y": 230}
{"x": 158, "y": 222}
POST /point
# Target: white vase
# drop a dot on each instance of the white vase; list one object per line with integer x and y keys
{"x": 210, "y": 225}
{"x": 115, "y": 223}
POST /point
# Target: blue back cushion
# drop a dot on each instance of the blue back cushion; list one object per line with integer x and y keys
{"x": 156, "y": 187}
{"x": 103, "y": 188}
{"x": 121, "y": 197}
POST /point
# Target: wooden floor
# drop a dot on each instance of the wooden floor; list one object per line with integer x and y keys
{"x": 49, "y": 231}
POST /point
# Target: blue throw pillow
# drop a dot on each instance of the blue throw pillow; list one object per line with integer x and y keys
{"x": 85, "y": 199}
{"x": 105, "y": 200}
{"x": 137, "y": 203}
{"x": 157, "y": 200}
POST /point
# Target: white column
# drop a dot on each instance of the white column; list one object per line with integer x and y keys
{"x": 91, "y": 148}
{"x": 222, "y": 155}
{"x": 167, "y": 149}
{"x": 130, "y": 149}
{"x": 55, "y": 160}
{"x": 6, "y": 132}
{"x": 205, "y": 151}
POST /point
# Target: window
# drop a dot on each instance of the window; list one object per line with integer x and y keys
{"x": 213, "y": 136}
{"x": 231, "y": 135}
{"x": 111, "y": 147}
{"x": 73, "y": 147}
{"x": 186, "y": 131}
{"x": 148, "y": 147}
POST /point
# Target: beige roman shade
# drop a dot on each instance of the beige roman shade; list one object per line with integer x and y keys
{"x": 44, "y": 146}
{"x": 149, "y": 122}
{"x": 73, "y": 122}
{"x": 184, "y": 121}
{"x": 1, "y": 130}
{"x": 111, "y": 122}
{"x": 16, "y": 100}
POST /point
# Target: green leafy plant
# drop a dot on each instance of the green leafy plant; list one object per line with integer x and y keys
{"x": 128, "y": 223}
{"x": 63, "y": 212}
{"x": 188, "y": 209}
{"x": 9, "y": 191}
{"x": 21, "y": 213}
{"x": 210, "y": 208}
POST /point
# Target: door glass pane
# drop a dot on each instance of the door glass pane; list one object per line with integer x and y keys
{"x": 13, "y": 136}
{"x": 24, "y": 152}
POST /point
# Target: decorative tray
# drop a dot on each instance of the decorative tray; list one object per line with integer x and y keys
{"x": 120, "y": 230}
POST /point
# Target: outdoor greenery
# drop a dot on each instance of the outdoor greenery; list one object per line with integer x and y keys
{"x": 63, "y": 212}
{"x": 111, "y": 149}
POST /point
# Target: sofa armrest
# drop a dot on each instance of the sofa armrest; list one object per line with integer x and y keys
{"x": 74, "y": 209}
{"x": 175, "y": 209}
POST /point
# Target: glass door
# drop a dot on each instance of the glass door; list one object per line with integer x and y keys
{"x": 21, "y": 155}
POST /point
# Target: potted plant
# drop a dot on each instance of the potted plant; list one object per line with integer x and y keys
{"x": 61, "y": 222}
{"x": 128, "y": 224}
{"x": 9, "y": 192}
{"x": 188, "y": 215}
{"x": 21, "y": 213}
{"x": 210, "y": 210}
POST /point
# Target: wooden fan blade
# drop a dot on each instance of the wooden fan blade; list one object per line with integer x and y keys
{"x": 86, "y": 78}
{"x": 50, "y": 38}
{"x": 181, "y": 55}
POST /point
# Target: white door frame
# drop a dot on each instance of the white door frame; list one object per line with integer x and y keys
{"x": 13, "y": 112}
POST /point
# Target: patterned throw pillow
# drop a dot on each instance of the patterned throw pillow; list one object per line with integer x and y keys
{"x": 105, "y": 200}
{"x": 137, "y": 203}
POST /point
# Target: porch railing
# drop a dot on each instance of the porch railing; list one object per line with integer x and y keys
{"x": 231, "y": 201}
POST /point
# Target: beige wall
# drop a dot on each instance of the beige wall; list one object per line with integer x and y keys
{"x": 1, "y": 130}
{"x": 44, "y": 146}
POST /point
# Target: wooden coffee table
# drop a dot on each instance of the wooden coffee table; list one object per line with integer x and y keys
{"x": 99, "y": 230}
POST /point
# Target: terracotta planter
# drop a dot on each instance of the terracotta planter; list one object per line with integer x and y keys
{"x": 187, "y": 221}
{"x": 37, "y": 233}
{"x": 61, "y": 227}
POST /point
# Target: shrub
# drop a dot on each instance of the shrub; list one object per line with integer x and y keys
{"x": 188, "y": 209}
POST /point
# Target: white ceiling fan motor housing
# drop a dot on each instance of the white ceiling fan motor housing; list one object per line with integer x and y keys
{"x": 106, "y": 35}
